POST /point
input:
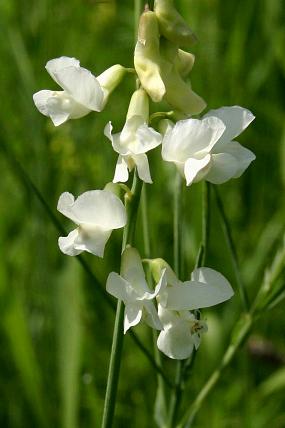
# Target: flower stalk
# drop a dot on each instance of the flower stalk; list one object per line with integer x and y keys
{"x": 132, "y": 204}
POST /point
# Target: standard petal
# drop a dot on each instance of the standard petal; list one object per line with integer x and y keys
{"x": 66, "y": 244}
{"x": 243, "y": 156}
{"x": 58, "y": 64}
{"x": 207, "y": 288}
{"x": 121, "y": 171}
{"x": 118, "y": 287}
{"x": 191, "y": 136}
{"x": 81, "y": 85}
{"x": 176, "y": 341}
{"x": 235, "y": 118}
{"x": 132, "y": 270}
{"x": 92, "y": 240}
{"x": 142, "y": 165}
{"x": 133, "y": 315}
{"x": 223, "y": 167}
{"x": 196, "y": 169}
{"x": 95, "y": 208}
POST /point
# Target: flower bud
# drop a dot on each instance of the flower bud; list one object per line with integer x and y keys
{"x": 184, "y": 62}
{"x": 110, "y": 79}
{"x": 157, "y": 266}
{"x": 179, "y": 94}
{"x": 139, "y": 105}
{"x": 147, "y": 59}
{"x": 171, "y": 24}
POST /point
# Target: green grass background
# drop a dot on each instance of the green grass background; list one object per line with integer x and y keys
{"x": 55, "y": 328}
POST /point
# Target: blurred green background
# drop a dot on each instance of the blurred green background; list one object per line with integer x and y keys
{"x": 55, "y": 328}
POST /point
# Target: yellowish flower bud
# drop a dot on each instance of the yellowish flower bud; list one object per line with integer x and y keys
{"x": 171, "y": 24}
{"x": 184, "y": 62}
{"x": 147, "y": 59}
{"x": 139, "y": 105}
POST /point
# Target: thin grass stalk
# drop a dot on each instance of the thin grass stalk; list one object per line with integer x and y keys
{"x": 228, "y": 234}
{"x": 132, "y": 205}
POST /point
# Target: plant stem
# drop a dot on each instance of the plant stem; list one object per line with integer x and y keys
{"x": 176, "y": 394}
{"x": 227, "y": 231}
{"x": 132, "y": 204}
{"x": 240, "y": 332}
{"x": 206, "y": 217}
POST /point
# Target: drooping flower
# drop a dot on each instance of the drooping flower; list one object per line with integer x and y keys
{"x": 82, "y": 91}
{"x": 204, "y": 149}
{"x": 135, "y": 140}
{"x": 181, "y": 330}
{"x": 131, "y": 287}
{"x": 97, "y": 213}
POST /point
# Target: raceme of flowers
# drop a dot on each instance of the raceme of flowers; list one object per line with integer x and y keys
{"x": 201, "y": 148}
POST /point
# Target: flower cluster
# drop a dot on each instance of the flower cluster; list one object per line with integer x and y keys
{"x": 201, "y": 149}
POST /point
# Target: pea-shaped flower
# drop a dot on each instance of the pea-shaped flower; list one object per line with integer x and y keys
{"x": 135, "y": 140}
{"x": 203, "y": 149}
{"x": 96, "y": 213}
{"x": 82, "y": 91}
{"x": 131, "y": 287}
{"x": 181, "y": 330}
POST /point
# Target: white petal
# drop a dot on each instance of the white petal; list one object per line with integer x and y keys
{"x": 94, "y": 208}
{"x": 196, "y": 169}
{"x": 82, "y": 86}
{"x": 191, "y": 136}
{"x": 146, "y": 139}
{"x": 235, "y": 118}
{"x": 207, "y": 288}
{"x": 59, "y": 106}
{"x": 58, "y": 64}
{"x": 118, "y": 287}
{"x": 142, "y": 165}
{"x": 121, "y": 171}
{"x": 132, "y": 270}
{"x": 133, "y": 315}
{"x": 176, "y": 341}
{"x": 243, "y": 156}
{"x": 151, "y": 317}
{"x": 119, "y": 146}
{"x": 92, "y": 239}
{"x": 223, "y": 167}
{"x": 66, "y": 244}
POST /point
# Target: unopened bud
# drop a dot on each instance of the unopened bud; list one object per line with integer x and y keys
{"x": 171, "y": 24}
{"x": 147, "y": 59}
{"x": 184, "y": 62}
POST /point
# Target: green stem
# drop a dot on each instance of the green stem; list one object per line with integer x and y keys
{"x": 132, "y": 204}
{"x": 177, "y": 392}
{"x": 205, "y": 223}
{"x": 241, "y": 330}
{"x": 231, "y": 245}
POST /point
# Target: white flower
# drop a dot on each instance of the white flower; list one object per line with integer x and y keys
{"x": 131, "y": 287}
{"x": 203, "y": 149}
{"x": 82, "y": 91}
{"x": 134, "y": 141}
{"x": 181, "y": 333}
{"x": 96, "y": 213}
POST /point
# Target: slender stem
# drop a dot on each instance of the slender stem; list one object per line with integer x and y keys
{"x": 241, "y": 331}
{"x": 177, "y": 392}
{"x": 132, "y": 204}
{"x": 231, "y": 245}
{"x": 205, "y": 222}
